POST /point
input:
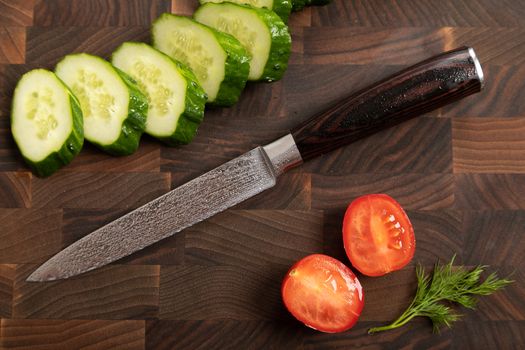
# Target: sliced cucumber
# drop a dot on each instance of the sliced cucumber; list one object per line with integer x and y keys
{"x": 46, "y": 122}
{"x": 281, "y": 7}
{"x": 176, "y": 100}
{"x": 261, "y": 31}
{"x": 298, "y": 5}
{"x": 219, "y": 61}
{"x": 114, "y": 109}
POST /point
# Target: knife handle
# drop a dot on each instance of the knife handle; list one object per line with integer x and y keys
{"x": 418, "y": 89}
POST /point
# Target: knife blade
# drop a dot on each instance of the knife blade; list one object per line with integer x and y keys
{"x": 420, "y": 88}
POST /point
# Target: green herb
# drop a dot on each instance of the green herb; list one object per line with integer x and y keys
{"x": 449, "y": 284}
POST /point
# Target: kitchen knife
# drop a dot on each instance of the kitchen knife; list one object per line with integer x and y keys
{"x": 418, "y": 89}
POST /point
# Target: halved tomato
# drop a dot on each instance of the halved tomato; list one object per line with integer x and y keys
{"x": 323, "y": 293}
{"x": 377, "y": 234}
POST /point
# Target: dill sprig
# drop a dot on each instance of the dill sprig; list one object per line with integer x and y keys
{"x": 449, "y": 283}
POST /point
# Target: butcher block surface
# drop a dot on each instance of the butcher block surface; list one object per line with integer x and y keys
{"x": 458, "y": 171}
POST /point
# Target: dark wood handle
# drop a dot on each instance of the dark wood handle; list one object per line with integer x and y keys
{"x": 416, "y": 90}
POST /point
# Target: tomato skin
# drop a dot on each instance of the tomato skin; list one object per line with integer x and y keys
{"x": 323, "y": 293}
{"x": 378, "y": 235}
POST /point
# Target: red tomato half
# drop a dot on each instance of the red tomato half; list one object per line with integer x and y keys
{"x": 378, "y": 235}
{"x": 323, "y": 293}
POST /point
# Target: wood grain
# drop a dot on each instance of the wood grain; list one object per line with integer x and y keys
{"x": 347, "y": 45}
{"x": 494, "y": 237}
{"x": 38, "y": 239}
{"x": 107, "y": 190}
{"x": 412, "y": 191}
{"x": 48, "y": 45}
{"x": 489, "y": 191}
{"x": 458, "y": 171}
{"x": 418, "y": 89}
{"x": 12, "y": 46}
{"x": 217, "y": 292}
{"x": 479, "y": 335}
{"x": 223, "y": 334}
{"x": 16, "y": 13}
{"x": 419, "y": 146}
{"x": 114, "y": 292}
{"x": 71, "y": 13}
{"x": 7, "y": 277}
{"x": 275, "y": 237}
{"x": 501, "y": 98}
{"x": 489, "y": 145}
{"x": 424, "y": 13}
{"x": 15, "y": 189}
{"x": 69, "y": 334}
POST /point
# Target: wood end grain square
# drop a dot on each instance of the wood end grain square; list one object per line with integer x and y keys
{"x": 112, "y": 292}
{"x": 7, "y": 278}
{"x": 29, "y": 235}
{"x": 99, "y": 190}
{"x": 489, "y": 145}
{"x": 218, "y": 292}
{"x": 15, "y": 189}
{"x": 72, "y": 13}
{"x": 184, "y": 7}
{"x": 412, "y": 191}
{"x": 12, "y": 45}
{"x": 16, "y": 12}
{"x": 274, "y": 237}
{"x": 489, "y": 191}
{"x": 72, "y": 334}
{"x": 224, "y": 334}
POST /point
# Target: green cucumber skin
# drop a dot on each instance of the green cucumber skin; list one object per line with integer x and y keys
{"x": 298, "y": 5}
{"x": 281, "y": 46}
{"x": 193, "y": 114}
{"x": 134, "y": 124}
{"x": 282, "y": 8}
{"x": 71, "y": 147}
{"x": 236, "y": 70}
{"x": 281, "y": 42}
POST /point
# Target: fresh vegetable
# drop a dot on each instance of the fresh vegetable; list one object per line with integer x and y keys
{"x": 261, "y": 31}
{"x": 449, "y": 283}
{"x": 281, "y": 7}
{"x": 113, "y": 107}
{"x": 176, "y": 100}
{"x": 298, "y": 5}
{"x": 46, "y": 122}
{"x": 323, "y": 293}
{"x": 219, "y": 61}
{"x": 377, "y": 234}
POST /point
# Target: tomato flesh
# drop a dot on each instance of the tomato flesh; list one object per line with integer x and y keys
{"x": 377, "y": 234}
{"x": 323, "y": 293}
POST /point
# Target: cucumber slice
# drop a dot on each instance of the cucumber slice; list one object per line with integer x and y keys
{"x": 298, "y": 5}
{"x": 261, "y": 31}
{"x": 176, "y": 100}
{"x": 281, "y": 7}
{"x": 219, "y": 61}
{"x": 114, "y": 109}
{"x": 46, "y": 122}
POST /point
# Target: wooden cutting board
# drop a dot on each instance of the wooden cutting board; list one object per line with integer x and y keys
{"x": 459, "y": 172}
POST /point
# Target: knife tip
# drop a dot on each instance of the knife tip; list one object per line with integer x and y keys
{"x": 42, "y": 274}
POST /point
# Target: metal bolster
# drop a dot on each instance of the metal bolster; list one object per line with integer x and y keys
{"x": 283, "y": 154}
{"x": 479, "y": 71}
